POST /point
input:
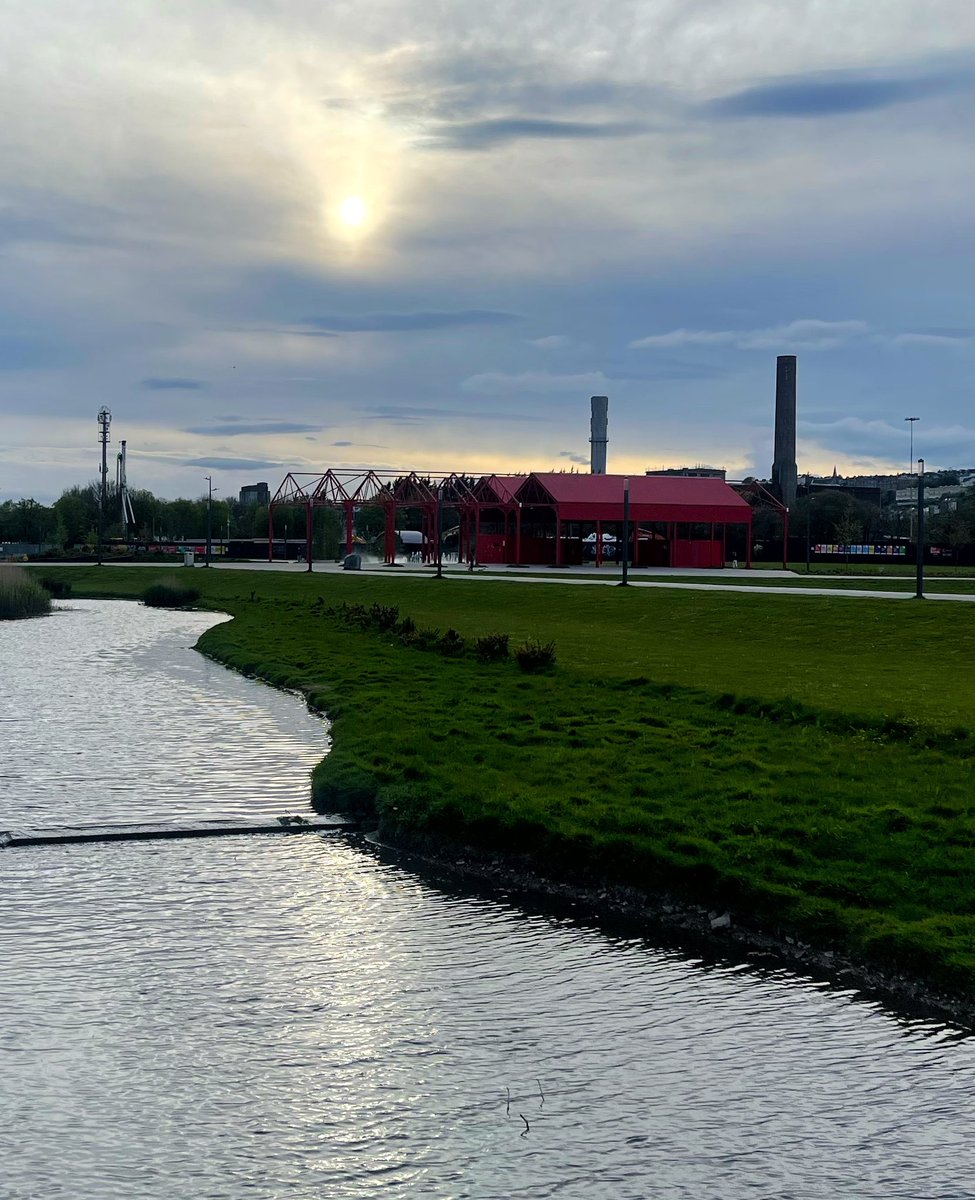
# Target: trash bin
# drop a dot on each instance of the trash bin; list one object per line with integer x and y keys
{"x": 188, "y": 558}
{"x": 352, "y": 562}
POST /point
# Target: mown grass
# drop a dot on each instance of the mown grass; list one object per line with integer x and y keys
{"x": 21, "y": 595}
{"x": 807, "y": 760}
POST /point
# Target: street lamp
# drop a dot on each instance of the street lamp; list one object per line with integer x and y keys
{"x": 808, "y": 520}
{"x": 919, "y": 591}
{"x": 911, "y": 421}
{"x": 209, "y": 479}
{"x": 624, "y": 582}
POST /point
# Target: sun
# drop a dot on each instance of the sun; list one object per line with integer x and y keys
{"x": 353, "y": 211}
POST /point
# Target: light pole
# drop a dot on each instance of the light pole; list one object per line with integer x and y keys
{"x": 209, "y": 479}
{"x": 624, "y": 582}
{"x": 911, "y": 421}
{"x": 808, "y": 520}
{"x": 919, "y": 593}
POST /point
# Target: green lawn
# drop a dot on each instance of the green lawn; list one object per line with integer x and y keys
{"x": 806, "y": 759}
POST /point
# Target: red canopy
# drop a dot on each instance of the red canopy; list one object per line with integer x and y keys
{"x": 652, "y": 498}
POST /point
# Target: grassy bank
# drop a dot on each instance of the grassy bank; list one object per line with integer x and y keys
{"x": 805, "y": 760}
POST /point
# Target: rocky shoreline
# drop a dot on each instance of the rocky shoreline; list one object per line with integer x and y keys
{"x": 660, "y": 917}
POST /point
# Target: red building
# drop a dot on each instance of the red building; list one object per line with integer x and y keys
{"x": 552, "y": 517}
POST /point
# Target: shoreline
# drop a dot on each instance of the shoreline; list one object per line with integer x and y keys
{"x": 676, "y": 921}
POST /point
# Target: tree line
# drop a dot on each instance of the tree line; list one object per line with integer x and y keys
{"x": 72, "y": 521}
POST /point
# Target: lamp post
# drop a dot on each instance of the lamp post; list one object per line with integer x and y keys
{"x": 808, "y": 521}
{"x": 910, "y": 461}
{"x": 209, "y": 479}
{"x": 624, "y": 582}
{"x": 919, "y": 592}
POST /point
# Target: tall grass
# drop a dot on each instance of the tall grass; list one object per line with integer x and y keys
{"x": 21, "y": 595}
{"x": 170, "y": 593}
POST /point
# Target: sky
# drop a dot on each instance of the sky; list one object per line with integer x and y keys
{"x": 285, "y": 235}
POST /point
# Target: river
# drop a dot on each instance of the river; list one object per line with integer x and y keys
{"x": 288, "y": 1017}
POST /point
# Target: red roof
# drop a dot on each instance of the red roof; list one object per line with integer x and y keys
{"x": 498, "y": 487}
{"x": 652, "y": 497}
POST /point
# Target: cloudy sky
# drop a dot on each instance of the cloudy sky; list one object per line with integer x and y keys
{"x": 277, "y": 235}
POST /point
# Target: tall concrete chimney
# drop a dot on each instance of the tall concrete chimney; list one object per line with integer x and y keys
{"x": 784, "y": 474}
{"x": 597, "y": 434}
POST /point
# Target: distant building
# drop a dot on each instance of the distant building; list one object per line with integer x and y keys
{"x": 255, "y": 493}
{"x": 691, "y": 472}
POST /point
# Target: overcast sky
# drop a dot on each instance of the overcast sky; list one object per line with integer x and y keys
{"x": 277, "y": 235}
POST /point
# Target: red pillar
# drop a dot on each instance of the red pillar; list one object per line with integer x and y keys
{"x": 518, "y": 535}
{"x": 599, "y": 543}
{"x": 558, "y": 539}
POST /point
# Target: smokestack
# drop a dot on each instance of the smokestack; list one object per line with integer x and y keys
{"x": 597, "y": 434}
{"x": 784, "y": 474}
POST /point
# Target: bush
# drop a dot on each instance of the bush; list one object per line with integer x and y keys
{"x": 451, "y": 643}
{"x": 533, "y": 657}
{"x": 383, "y": 616}
{"x": 170, "y": 593}
{"x": 57, "y": 588}
{"x": 493, "y": 647}
{"x": 21, "y": 596}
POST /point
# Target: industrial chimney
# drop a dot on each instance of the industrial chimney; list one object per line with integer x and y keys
{"x": 597, "y": 434}
{"x": 784, "y": 474}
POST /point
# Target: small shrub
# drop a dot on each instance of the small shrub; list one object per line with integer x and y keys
{"x": 56, "y": 588}
{"x": 170, "y": 593}
{"x": 21, "y": 596}
{"x": 493, "y": 647}
{"x": 534, "y": 657}
{"x": 427, "y": 639}
{"x": 406, "y": 628}
{"x": 383, "y": 616}
{"x": 451, "y": 643}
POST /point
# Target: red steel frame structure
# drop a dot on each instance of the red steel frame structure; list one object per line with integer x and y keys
{"x": 758, "y": 496}
{"x": 348, "y": 490}
{"x": 586, "y": 499}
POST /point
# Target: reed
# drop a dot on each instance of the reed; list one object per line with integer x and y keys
{"x": 21, "y": 595}
{"x": 170, "y": 593}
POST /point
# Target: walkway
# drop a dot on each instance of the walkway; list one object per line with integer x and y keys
{"x": 587, "y": 576}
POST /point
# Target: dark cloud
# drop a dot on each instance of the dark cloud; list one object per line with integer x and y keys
{"x": 482, "y": 135}
{"x": 235, "y": 428}
{"x": 342, "y": 443}
{"x": 837, "y": 94}
{"x": 573, "y": 457}
{"x": 231, "y": 464}
{"x": 411, "y": 321}
{"x": 172, "y": 385}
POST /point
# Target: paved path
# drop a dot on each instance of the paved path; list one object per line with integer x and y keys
{"x": 585, "y": 577}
